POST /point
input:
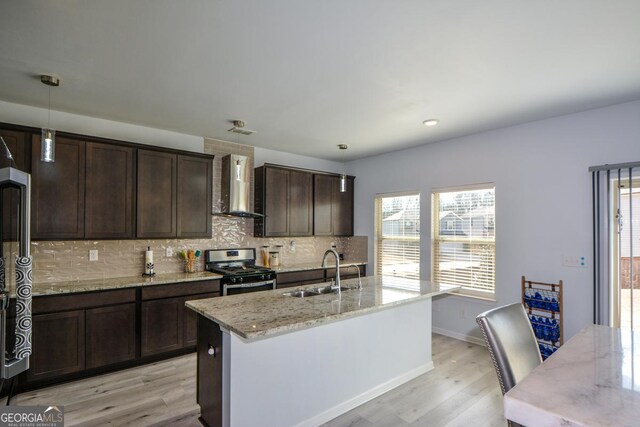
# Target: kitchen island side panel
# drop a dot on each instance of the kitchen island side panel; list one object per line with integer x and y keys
{"x": 310, "y": 376}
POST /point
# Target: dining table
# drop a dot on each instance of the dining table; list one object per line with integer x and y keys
{"x": 592, "y": 380}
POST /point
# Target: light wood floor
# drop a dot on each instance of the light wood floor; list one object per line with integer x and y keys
{"x": 462, "y": 390}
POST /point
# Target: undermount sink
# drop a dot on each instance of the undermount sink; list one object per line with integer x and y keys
{"x": 300, "y": 293}
{"x": 311, "y": 292}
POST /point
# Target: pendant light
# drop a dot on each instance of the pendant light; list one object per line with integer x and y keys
{"x": 48, "y": 144}
{"x": 343, "y": 177}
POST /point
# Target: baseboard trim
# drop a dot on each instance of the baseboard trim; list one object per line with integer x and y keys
{"x": 340, "y": 409}
{"x": 458, "y": 336}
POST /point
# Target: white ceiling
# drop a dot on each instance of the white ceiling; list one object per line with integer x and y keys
{"x": 310, "y": 74}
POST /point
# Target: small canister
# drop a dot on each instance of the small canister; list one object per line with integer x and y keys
{"x": 274, "y": 259}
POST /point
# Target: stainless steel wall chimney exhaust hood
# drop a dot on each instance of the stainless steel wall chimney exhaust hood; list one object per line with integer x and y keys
{"x": 236, "y": 187}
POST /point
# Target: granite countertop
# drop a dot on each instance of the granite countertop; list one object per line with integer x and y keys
{"x": 52, "y": 288}
{"x": 261, "y": 314}
{"x": 72, "y": 286}
{"x": 313, "y": 266}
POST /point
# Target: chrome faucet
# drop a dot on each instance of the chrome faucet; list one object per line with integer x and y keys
{"x": 335, "y": 287}
{"x": 358, "y": 270}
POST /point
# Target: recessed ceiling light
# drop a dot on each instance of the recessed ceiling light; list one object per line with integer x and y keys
{"x": 430, "y": 122}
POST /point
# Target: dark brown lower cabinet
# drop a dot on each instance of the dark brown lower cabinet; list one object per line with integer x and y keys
{"x": 191, "y": 321}
{"x": 110, "y": 335}
{"x": 58, "y": 343}
{"x": 106, "y": 330}
{"x": 209, "y": 392}
{"x": 321, "y": 275}
{"x": 161, "y": 322}
{"x": 299, "y": 278}
{"x": 347, "y": 272}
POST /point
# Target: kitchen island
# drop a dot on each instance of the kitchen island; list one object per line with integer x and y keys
{"x": 273, "y": 360}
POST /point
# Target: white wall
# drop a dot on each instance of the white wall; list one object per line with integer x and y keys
{"x": 543, "y": 200}
{"x": 264, "y": 155}
{"x": 37, "y": 117}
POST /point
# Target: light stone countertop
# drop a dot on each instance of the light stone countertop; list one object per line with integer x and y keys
{"x": 314, "y": 266}
{"x": 592, "y": 380}
{"x": 73, "y": 286}
{"x": 54, "y": 288}
{"x": 261, "y": 314}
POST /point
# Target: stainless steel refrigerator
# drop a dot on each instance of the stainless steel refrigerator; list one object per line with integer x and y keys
{"x": 15, "y": 269}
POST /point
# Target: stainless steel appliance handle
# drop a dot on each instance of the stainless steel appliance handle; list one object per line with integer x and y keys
{"x": 248, "y": 285}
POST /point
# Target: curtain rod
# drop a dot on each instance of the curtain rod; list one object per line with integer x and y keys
{"x": 614, "y": 166}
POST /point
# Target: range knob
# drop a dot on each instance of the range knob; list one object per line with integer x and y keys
{"x": 240, "y": 279}
{"x": 262, "y": 277}
{"x": 233, "y": 280}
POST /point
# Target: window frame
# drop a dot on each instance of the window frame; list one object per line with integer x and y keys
{"x": 470, "y": 291}
{"x": 378, "y": 237}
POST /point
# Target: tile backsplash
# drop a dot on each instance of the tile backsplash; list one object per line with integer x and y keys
{"x": 56, "y": 261}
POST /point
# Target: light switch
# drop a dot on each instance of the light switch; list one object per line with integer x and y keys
{"x": 93, "y": 255}
{"x": 169, "y": 252}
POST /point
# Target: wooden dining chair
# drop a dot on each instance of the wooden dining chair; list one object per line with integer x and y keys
{"x": 511, "y": 343}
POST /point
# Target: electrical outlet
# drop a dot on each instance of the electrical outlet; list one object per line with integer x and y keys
{"x": 574, "y": 261}
{"x": 93, "y": 255}
{"x": 292, "y": 246}
{"x": 169, "y": 252}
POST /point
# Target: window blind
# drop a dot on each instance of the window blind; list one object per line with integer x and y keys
{"x": 398, "y": 235}
{"x": 463, "y": 238}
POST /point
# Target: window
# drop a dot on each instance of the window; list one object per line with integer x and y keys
{"x": 463, "y": 238}
{"x": 398, "y": 235}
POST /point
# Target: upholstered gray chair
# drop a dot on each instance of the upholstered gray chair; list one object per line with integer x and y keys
{"x": 511, "y": 343}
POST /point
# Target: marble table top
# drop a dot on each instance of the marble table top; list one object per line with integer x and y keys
{"x": 592, "y": 380}
{"x": 260, "y": 314}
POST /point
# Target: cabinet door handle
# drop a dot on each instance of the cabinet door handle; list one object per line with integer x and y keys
{"x": 211, "y": 351}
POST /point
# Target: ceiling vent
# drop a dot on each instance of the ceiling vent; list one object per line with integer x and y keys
{"x": 238, "y": 127}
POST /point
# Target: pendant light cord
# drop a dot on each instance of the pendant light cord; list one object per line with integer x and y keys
{"x": 49, "y": 111}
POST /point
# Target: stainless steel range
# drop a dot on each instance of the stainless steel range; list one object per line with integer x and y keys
{"x": 240, "y": 274}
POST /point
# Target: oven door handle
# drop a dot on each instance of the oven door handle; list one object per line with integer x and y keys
{"x": 272, "y": 283}
{"x": 250, "y": 284}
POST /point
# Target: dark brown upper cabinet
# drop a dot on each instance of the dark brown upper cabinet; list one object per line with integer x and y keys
{"x": 157, "y": 194}
{"x": 322, "y": 205}
{"x": 174, "y": 195}
{"x": 342, "y": 211}
{"x": 87, "y": 193}
{"x": 194, "y": 196}
{"x": 109, "y": 191}
{"x": 285, "y": 197}
{"x": 19, "y": 144}
{"x": 57, "y": 191}
{"x": 103, "y": 189}
{"x": 300, "y": 203}
{"x": 332, "y": 210}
